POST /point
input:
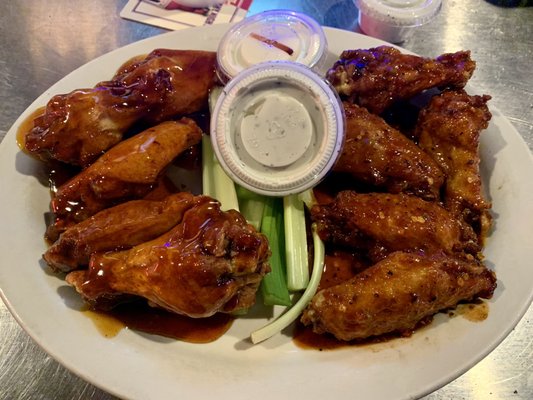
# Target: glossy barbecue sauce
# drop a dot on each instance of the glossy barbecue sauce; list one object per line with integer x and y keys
{"x": 26, "y": 126}
{"x": 143, "y": 318}
{"x": 139, "y": 316}
{"x": 339, "y": 267}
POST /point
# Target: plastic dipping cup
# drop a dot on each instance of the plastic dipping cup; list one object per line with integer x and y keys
{"x": 277, "y": 128}
{"x": 278, "y": 35}
{"x": 395, "y": 20}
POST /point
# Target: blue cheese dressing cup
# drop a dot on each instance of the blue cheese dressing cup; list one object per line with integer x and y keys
{"x": 277, "y": 35}
{"x": 395, "y": 20}
{"x": 277, "y": 128}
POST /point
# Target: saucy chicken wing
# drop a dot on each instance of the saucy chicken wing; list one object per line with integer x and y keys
{"x": 212, "y": 261}
{"x": 379, "y": 155}
{"x": 119, "y": 227}
{"x": 376, "y": 78}
{"x": 449, "y": 129}
{"x": 76, "y": 128}
{"x": 381, "y": 223}
{"x": 395, "y": 294}
{"x": 127, "y": 171}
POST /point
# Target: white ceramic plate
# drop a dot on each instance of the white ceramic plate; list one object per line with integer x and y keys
{"x": 140, "y": 366}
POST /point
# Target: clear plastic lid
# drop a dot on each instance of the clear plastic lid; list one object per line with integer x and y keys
{"x": 400, "y": 12}
{"x": 277, "y": 128}
{"x": 278, "y": 35}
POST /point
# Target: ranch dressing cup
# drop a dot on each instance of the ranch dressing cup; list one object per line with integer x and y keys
{"x": 394, "y": 20}
{"x": 277, "y": 128}
{"x": 278, "y": 35}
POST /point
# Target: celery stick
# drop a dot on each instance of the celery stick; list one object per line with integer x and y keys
{"x": 274, "y": 285}
{"x": 295, "y": 243}
{"x": 208, "y": 180}
{"x": 215, "y": 182}
{"x": 292, "y": 313}
{"x": 251, "y": 206}
{"x": 214, "y": 94}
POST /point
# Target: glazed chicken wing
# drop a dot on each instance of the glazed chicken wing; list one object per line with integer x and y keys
{"x": 379, "y": 155}
{"x": 212, "y": 261}
{"x": 77, "y": 127}
{"x": 396, "y": 293}
{"x": 449, "y": 129}
{"x": 376, "y": 78}
{"x": 381, "y": 223}
{"x": 119, "y": 227}
{"x": 127, "y": 171}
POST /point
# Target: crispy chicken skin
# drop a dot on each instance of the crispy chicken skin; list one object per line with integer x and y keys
{"x": 119, "y": 227}
{"x": 449, "y": 129}
{"x": 127, "y": 171}
{"x": 381, "y": 223}
{"x": 379, "y": 155}
{"x": 78, "y": 127}
{"x": 212, "y": 261}
{"x": 396, "y": 293}
{"x": 376, "y": 78}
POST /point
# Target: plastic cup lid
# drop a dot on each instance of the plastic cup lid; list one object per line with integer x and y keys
{"x": 277, "y": 128}
{"x": 278, "y": 35}
{"x": 400, "y": 12}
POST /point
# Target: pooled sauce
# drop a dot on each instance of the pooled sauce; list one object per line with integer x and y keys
{"x": 474, "y": 312}
{"x": 107, "y": 325}
{"x": 26, "y": 126}
{"x": 305, "y": 338}
{"x": 143, "y": 318}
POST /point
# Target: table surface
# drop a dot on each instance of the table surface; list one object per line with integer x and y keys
{"x": 42, "y": 41}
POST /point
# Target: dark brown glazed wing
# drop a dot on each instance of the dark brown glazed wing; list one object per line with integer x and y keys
{"x": 396, "y": 293}
{"x": 184, "y": 76}
{"x": 119, "y": 227}
{"x": 376, "y": 78}
{"x": 449, "y": 129}
{"x": 212, "y": 261}
{"x": 127, "y": 171}
{"x": 379, "y": 155}
{"x": 77, "y": 127}
{"x": 381, "y": 223}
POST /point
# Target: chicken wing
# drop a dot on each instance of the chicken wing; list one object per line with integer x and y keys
{"x": 119, "y": 227}
{"x": 127, "y": 171}
{"x": 377, "y": 77}
{"x": 78, "y": 127}
{"x": 396, "y": 293}
{"x": 449, "y": 129}
{"x": 381, "y": 223}
{"x": 379, "y": 155}
{"x": 212, "y": 261}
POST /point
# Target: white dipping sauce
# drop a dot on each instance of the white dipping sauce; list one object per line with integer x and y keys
{"x": 276, "y": 130}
